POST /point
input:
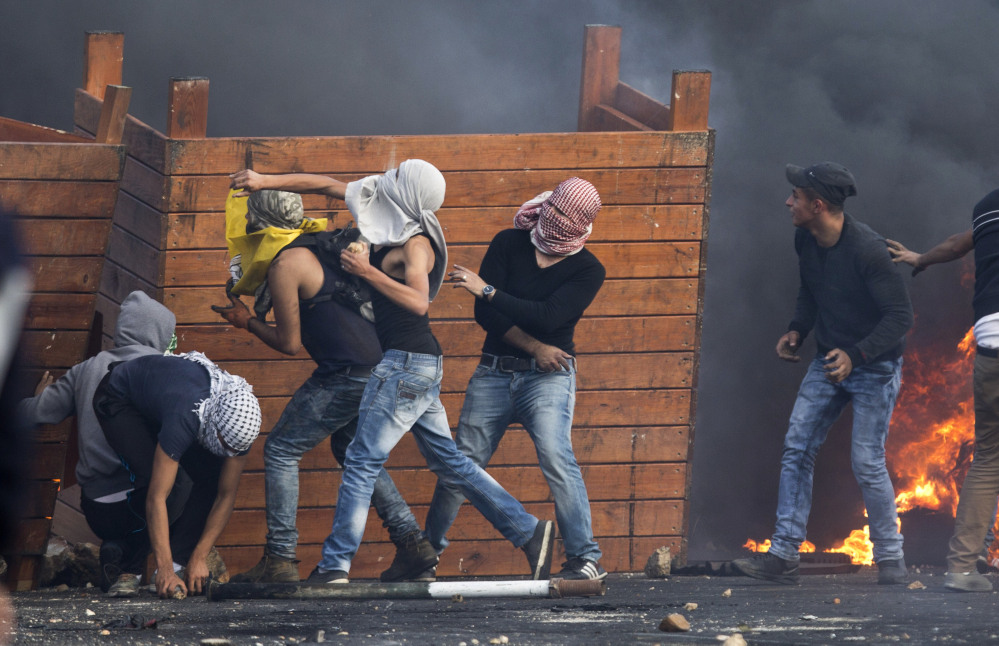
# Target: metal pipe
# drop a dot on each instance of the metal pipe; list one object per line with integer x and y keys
{"x": 553, "y": 589}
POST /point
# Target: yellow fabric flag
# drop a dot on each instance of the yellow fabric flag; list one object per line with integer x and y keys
{"x": 253, "y": 252}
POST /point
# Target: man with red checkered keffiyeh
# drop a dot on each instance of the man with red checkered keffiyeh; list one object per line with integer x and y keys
{"x": 535, "y": 282}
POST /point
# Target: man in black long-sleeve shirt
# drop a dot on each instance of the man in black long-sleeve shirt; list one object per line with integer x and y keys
{"x": 855, "y": 300}
{"x": 534, "y": 284}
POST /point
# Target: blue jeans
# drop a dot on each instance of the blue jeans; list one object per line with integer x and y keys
{"x": 403, "y": 394}
{"x": 543, "y": 403}
{"x": 873, "y": 389}
{"x": 320, "y": 408}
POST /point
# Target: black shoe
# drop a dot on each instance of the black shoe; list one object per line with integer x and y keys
{"x": 414, "y": 555}
{"x": 539, "y": 550}
{"x": 427, "y": 576}
{"x": 582, "y": 569}
{"x": 892, "y": 572}
{"x": 768, "y": 567}
{"x": 319, "y": 575}
{"x": 110, "y": 559}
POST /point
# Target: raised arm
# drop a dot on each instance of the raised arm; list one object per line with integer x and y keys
{"x": 249, "y": 181}
{"x": 417, "y": 260}
{"x": 954, "y": 247}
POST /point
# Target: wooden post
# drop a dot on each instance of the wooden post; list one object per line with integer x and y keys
{"x": 111, "y": 126}
{"x": 102, "y": 59}
{"x": 601, "y": 59}
{"x": 188, "y": 109}
{"x": 689, "y": 101}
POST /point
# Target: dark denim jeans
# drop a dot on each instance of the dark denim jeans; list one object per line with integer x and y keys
{"x": 872, "y": 389}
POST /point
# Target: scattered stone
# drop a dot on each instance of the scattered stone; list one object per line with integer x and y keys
{"x": 457, "y": 598}
{"x": 690, "y": 606}
{"x": 735, "y": 639}
{"x": 674, "y": 623}
{"x": 727, "y": 593}
{"x": 916, "y": 585}
{"x": 105, "y": 632}
{"x": 809, "y": 617}
{"x": 836, "y": 601}
{"x": 62, "y": 587}
{"x": 215, "y": 641}
{"x": 494, "y": 640}
{"x": 90, "y": 613}
{"x": 658, "y": 565}
{"x": 178, "y": 593}
{"x": 72, "y": 565}
{"x": 320, "y": 636}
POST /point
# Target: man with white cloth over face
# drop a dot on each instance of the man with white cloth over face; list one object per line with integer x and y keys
{"x": 396, "y": 214}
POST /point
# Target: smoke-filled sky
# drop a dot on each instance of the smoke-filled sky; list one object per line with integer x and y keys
{"x": 903, "y": 93}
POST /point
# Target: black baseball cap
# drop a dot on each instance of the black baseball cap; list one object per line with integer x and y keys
{"x": 832, "y": 181}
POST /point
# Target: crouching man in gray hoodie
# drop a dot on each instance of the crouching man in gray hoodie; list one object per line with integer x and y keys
{"x": 144, "y": 327}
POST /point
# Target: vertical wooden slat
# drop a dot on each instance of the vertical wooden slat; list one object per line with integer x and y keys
{"x": 690, "y": 99}
{"x": 601, "y": 60}
{"x": 112, "y": 123}
{"x": 102, "y": 60}
{"x": 188, "y": 108}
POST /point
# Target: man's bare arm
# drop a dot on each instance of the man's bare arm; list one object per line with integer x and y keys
{"x": 249, "y": 181}
{"x": 954, "y": 247}
{"x": 160, "y": 484}
{"x": 218, "y": 516}
{"x": 417, "y": 259}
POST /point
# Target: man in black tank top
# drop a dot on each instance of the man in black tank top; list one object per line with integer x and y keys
{"x": 396, "y": 213}
{"x": 345, "y": 348}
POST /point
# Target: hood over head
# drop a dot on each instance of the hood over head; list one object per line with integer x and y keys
{"x": 144, "y": 321}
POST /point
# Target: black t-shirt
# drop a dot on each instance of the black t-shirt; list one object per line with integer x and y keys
{"x": 398, "y": 328}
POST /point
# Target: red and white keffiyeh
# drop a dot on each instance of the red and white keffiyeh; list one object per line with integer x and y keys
{"x": 560, "y": 221}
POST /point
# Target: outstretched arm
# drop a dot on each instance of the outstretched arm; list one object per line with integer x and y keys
{"x": 249, "y": 181}
{"x": 954, "y": 247}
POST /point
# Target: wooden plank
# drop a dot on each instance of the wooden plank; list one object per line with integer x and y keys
{"x": 606, "y": 117}
{"x": 60, "y": 199}
{"x": 117, "y": 283}
{"x": 22, "y": 572}
{"x": 76, "y": 236}
{"x": 691, "y": 97}
{"x": 658, "y": 518}
{"x": 641, "y": 107}
{"x": 641, "y": 548}
{"x": 61, "y": 161}
{"x": 65, "y": 311}
{"x": 146, "y": 223}
{"x": 143, "y": 142}
{"x": 111, "y": 126}
{"x": 59, "y": 348}
{"x": 134, "y": 255}
{"x": 102, "y": 60}
{"x": 366, "y": 155}
{"x": 40, "y": 496}
{"x": 65, "y": 273}
{"x": 486, "y": 188}
{"x": 148, "y": 185}
{"x": 49, "y": 433}
{"x": 47, "y": 461}
{"x": 601, "y": 60}
{"x": 13, "y": 130}
{"x": 32, "y": 536}
{"x": 187, "y": 108}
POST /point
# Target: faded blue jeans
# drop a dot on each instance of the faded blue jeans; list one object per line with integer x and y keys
{"x": 872, "y": 388}
{"x": 320, "y": 408}
{"x": 543, "y": 402}
{"x": 403, "y": 394}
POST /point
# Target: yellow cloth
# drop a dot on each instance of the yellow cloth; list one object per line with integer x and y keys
{"x": 256, "y": 250}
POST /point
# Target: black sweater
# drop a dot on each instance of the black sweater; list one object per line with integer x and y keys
{"x": 852, "y": 294}
{"x": 545, "y": 303}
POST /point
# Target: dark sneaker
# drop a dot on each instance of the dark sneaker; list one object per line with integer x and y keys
{"x": 414, "y": 555}
{"x": 893, "y": 572}
{"x": 539, "y": 550}
{"x": 427, "y": 576}
{"x": 270, "y": 569}
{"x": 127, "y": 585}
{"x": 967, "y": 582}
{"x": 768, "y": 567}
{"x": 582, "y": 569}
{"x": 319, "y": 575}
{"x": 109, "y": 560}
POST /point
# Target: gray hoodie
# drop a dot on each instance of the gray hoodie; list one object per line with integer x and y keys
{"x": 144, "y": 327}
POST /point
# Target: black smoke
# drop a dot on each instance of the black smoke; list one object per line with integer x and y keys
{"x": 901, "y": 92}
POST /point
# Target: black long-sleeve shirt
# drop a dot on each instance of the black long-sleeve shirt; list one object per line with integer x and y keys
{"x": 544, "y": 303}
{"x": 852, "y": 295}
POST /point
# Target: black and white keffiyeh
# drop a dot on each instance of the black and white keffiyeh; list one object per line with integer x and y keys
{"x": 230, "y": 415}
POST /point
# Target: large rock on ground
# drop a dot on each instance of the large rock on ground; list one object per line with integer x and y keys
{"x": 75, "y": 565}
{"x": 658, "y": 565}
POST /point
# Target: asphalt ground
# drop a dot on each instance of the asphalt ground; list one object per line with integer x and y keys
{"x": 821, "y": 609}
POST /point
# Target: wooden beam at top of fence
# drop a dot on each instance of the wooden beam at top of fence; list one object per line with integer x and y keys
{"x": 187, "y": 116}
{"x": 111, "y": 126}
{"x": 601, "y": 60}
{"x": 102, "y": 60}
{"x": 689, "y": 100}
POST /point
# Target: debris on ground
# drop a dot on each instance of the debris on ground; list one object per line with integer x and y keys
{"x": 735, "y": 639}
{"x": 674, "y": 623}
{"x": 659, "y": 564}
{"x": 916, "y": 585}
{"x": 690, "y": 606}
{"x": 727, "y": 593}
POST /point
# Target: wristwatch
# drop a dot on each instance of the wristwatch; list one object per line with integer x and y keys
{"x": 487, "y": 291}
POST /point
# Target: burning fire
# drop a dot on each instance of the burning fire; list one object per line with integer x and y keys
{"x": 930, "y": 444}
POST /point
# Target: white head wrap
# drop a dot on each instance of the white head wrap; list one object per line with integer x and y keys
{"x": 392, "y": 208}
{"x": 230, "y": 415}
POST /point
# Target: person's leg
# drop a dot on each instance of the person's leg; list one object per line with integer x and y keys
{"x": 817, "y": 406}
{"x": 976, "y": 507}
{"x": 545, "y": 404}
{"x": 874, "y": 388}
{"x": 485, "y": 416}
{"x": 125, "y": 543}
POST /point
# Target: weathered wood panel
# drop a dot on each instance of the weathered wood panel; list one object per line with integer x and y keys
{"x": 61, "y": 199}
{"x": 62, "y": 161}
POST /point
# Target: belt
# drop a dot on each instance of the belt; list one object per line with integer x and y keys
{"x": 506, "y": 364}
{"x": 356, "y": 371}
{"x": 992, "y": 353}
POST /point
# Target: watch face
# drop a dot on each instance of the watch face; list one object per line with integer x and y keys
{"x": 487, "y": 290}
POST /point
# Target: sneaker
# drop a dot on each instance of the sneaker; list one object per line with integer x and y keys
{"x": 270, "y": 569}
{"x": 892, "y": 572}
{"x": 967, "y": 582}
{"x": 319, "y": 575}
{"x": 414, "y": 555}
{"x": 768, "y": 567}
{"x": 127, "y": 585}
{"x": 427, "y": 576}
{"x": 582, "y": 569}
{"x": 539, "y": 550}
{"x": 109, "y": 561}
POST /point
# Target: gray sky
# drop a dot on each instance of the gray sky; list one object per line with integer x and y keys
{"x": 901, "y": 92}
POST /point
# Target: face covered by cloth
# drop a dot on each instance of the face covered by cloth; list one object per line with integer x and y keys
{"x": 560, "y": 221}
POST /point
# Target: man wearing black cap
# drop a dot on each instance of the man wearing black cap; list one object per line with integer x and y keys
{"x": 855, "y": 300}
{"x": 976, "y": 509}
